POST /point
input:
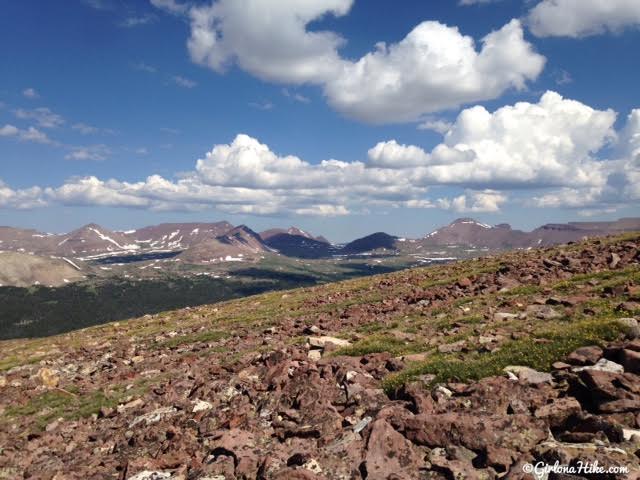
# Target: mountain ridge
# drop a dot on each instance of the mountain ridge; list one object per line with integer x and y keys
{"x": 93, "y": 241}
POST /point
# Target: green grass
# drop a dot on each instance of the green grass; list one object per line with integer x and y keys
{"x": 72, "y": 405}
{"x": 538, "y": 353}
{"x": 17, "y": 361}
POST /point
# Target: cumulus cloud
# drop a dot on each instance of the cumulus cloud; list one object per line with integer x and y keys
{"x": 580, "y": 18}
{"x": 30, "y": 134}
{"x": 549, "y": 143}
{"x": 619, "y": 182}
{"x": 435, "y": 67}
{"x": 20, "y": 199}
{"x": 268, "y": 39}
{"x": 44, "y": 117}
{"x": 436, "y": 125}
{"x": 563, "y": 153}
{"x": 487, "y": 201}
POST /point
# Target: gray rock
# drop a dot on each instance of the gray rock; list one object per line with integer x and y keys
{"x": 321, "y": 342}
{"x": 543, "y": 312}
{"x": 631, "y": 326}
{"x": 362, "y": 424}
{"x": 529, "y": 375}
{"x": 151, "y": 475}
{"x": 602, "y": 365}
{"x": 153, "y": 417}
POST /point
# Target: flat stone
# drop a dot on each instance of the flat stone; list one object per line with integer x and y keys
{"x": 201, "y": 406}
{"x": 529, "y": 375}
{"x": 585, "y": 355}
{"x": 501, "y": 316}
{"x": 151, "y": 475}
{"x": 321, "y": 342}
{"x": 154, "y": 416}
{"x": 602, "y": 365}
{"x": 414, "y": 357}
{"x": 543, "y": 312}
{"x": 314, "y": 355}
{"x": 452, "y": 347}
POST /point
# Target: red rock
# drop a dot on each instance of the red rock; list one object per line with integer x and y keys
{"x": 390, "y": 455}
{"x": 585, "y": 355}
{"x": 630, "y": 361}
{"x": 558, "y": 412}
{"x": 519, "y": 432}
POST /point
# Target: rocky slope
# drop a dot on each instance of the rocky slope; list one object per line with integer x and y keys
{"x": 468, "y": 370}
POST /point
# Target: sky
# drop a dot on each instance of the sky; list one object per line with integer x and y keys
{"x": 342, "y": 117}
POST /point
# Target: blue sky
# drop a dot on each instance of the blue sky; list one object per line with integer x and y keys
{"x": 108, "y": 105}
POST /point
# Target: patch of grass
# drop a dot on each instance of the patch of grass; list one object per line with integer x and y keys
{"x": 523, "y": 290}
{"x": 208, "y": 336}
{"x": 71, "y": 405}
{"x": 374, "y": 327}
{"x": 538, "y": 352}
{"x": 17, "y": 361}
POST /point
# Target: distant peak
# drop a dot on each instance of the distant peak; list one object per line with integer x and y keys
{"x": 467, "y": 220}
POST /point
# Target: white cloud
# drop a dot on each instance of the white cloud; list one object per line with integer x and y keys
{"x": 86, "y": 129}
{"x": 619, "y": 183}
{"x": 44, "y": 117}
{"x": 170, "y": 6}
{"x": 391, "y": 154}
{"x": 268, "y": 39}
{"x": 9, "y": 131}
{"x": 144, "y": 67}
{"x": 20, "y": 199}
{"x": 131, "y": 22}
{"x": 246, "y": 177}
{"x": 486, "y": 201}
{"x": 562, "y": 77}
{"x": 553, "y": 149}
{"x": 549, "y": 143}
{"x": 92, "y": 152}
{"x": 267, "y": 105}
{"x": 580, "y": 18}
{"x": 184, "y": 82}
{"x": 475, "y": 2}
{"x": 30, "y": 134}
{"x": 436, "y": 125}
{"x": 298, "y": 97}
{"x": 433, "y": 68}
{"x": 30, "y": 93}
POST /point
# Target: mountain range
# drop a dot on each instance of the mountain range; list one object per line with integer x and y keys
{"x": 203, "y": 243}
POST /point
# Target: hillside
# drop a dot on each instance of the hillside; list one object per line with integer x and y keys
{"x": 23, "y": 270}
{"x": 419, "y": 374}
